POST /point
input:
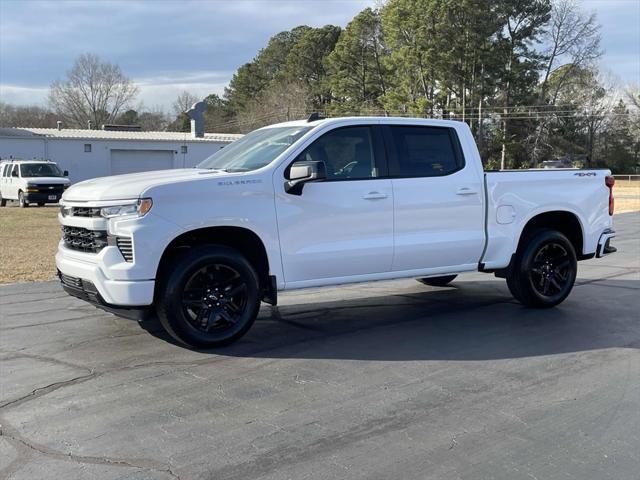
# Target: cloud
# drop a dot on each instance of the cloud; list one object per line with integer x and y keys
{"x": 19, "y": 95}
{"x": 172, "y": 45}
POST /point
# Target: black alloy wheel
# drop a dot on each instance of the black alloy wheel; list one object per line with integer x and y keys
{"x": 544, "y": 269}
{"x": 214, "y": 298}
{"x": 550, "y": 269}
{"x": 208, "y": 297}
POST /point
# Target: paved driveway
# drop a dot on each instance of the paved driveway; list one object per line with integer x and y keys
{"x": 389, "y": 380}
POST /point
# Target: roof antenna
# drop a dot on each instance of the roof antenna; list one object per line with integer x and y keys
{"x": 313, "y": 117}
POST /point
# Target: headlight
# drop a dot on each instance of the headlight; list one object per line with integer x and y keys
{"x": 137, "y": 209}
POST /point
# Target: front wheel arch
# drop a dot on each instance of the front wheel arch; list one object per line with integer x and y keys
{"x": 245, "y": 241}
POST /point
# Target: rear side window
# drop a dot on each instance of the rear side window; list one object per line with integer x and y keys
{"x": 425, "y": 151}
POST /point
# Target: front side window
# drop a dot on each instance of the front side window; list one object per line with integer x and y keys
{"x": 14, "y": 172}
{"x": 255, "y": 150}
{"x": 40, "y": 170}
{"x": 348, "y": 153}
{"x": 425, "y": 151}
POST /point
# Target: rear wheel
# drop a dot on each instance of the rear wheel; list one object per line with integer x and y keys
{"x": 438, "y": 281}
{"x": 3, "y": 201}
{"x": 544, "y": 269}
{"x": 22, "y": 201}
{"x": 210, "y": 298}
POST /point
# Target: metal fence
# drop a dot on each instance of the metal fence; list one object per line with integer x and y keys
{"x": 628, "y": 178}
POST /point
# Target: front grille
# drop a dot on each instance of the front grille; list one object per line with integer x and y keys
{"x": 125, "y": 245}
{"x": 52, "y": 189}
{"x": 84, "y": 240}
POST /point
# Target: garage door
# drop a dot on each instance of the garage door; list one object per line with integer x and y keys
{"x": 131, "y": 161}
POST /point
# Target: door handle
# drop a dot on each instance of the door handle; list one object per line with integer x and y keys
{"x": 466, "y": 191}
{"x": 375, "y": 196}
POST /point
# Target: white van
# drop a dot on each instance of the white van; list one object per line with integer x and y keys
{"x": 31, "y": 181}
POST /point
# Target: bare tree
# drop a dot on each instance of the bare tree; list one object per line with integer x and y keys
{"x": 573, "y": 38}
{"x": 26, "y": 116}
{"x": 93, "y": 91}
{"x": 572, "y": 42}
{"x": 279, "y": 102}
{"x": 184, "y": 102}
{"x": 633, "y": 95}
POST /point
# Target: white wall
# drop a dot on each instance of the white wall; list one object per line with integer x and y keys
{"x": 69, "y": 154}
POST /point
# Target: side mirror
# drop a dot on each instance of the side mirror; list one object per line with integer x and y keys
{"x": 303, "y": 172}
{"x": 65, "y": 173}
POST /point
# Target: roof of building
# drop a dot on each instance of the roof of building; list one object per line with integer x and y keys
{"x": 77, "y": 134}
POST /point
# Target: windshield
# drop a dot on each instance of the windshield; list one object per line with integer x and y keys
{"x": 254, "y": 150}
{"x": 40, "y": 170}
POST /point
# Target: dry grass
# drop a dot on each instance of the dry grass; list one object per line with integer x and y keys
{"x": 28, "y": 242}
{"x": 29, "y": 236}
{"x": 627, "y": 196}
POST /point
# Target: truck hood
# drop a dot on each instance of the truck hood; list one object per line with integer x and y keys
{"x": 130, "y": 186}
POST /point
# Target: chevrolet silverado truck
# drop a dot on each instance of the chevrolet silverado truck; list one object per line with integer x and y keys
{"x": 324, "y": 202}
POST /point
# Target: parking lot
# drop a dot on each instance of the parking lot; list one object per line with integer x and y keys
{"x": 381, "y": 380}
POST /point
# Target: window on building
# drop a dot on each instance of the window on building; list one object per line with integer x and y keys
{"x": 183, "y": 149}
{"x": 87, "y": 147}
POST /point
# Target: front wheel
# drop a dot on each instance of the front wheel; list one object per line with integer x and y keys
{"x": 438, "y": 281}
{"x": 209, "y": 298}
{"x": 22, "y": 201}
{"x": 544, "y": 270}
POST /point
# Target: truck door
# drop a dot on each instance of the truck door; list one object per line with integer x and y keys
{"x": 439, "y": 217}
{"x": 341, "y": 226}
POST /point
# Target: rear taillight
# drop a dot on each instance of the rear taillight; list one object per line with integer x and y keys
{"x": 609, "y": 181}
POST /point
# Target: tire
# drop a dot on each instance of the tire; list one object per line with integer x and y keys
{"x": 438, "y": 281}
{"x": 544, "y": 269}
{"x": 22, "y": 201}
{"x": 193, "y": 301}
{"x": 41, "y": 204}
{"x": 3, "y": 201}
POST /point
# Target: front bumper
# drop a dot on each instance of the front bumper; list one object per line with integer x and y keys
{"x": 42, "y": 197}
{"x": 123, "y": 293}
{"x": 87, "y": 291}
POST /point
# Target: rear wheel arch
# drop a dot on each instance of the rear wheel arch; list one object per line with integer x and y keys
{"x": 562, "y": 221}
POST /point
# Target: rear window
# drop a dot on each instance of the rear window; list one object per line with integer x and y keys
{"x": 426, "y": 151}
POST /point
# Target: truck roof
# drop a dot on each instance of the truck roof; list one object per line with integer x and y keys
{"x": 395, "y": 120}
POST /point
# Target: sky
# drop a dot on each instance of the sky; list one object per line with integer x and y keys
{"x": 168, "y": 46}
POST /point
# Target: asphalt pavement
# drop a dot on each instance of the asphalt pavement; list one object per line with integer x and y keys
{"x": 386, "y": 380}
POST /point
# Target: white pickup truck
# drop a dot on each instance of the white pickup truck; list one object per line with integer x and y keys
{"x": 325, "y": 202}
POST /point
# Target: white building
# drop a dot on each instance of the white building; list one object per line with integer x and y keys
{"x": 98, "y": 153}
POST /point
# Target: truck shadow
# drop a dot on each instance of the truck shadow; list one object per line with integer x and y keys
{"x": 467, "y": 321}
